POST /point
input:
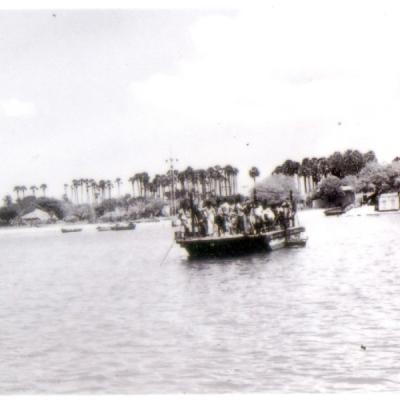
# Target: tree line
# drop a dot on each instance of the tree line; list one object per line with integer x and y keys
{"x": 339, "y": 164}
{"x": 361, "y": 171}
{"x": 22, "y": 189}
{"x": 216, "y": 180}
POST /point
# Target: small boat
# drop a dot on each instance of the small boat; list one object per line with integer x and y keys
{"x": 103, "y": 228}
{"x": 70, "y": 230}
{"x": 151, "y": 219}
{"x": 119, "y": 227}
{"x": 334, "y": 211}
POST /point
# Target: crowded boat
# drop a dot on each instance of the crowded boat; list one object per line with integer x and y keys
{"x": 225, "y": 218}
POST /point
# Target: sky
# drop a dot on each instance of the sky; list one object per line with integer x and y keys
{"x": 107, "y": 93}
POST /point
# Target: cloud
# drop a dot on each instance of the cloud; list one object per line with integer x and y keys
{"x": 282, "y": 79}
{"x": 16, "y": 108}
{"x": 285, "y": 63}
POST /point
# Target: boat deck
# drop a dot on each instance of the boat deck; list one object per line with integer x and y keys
{"x": 279, "y": 233}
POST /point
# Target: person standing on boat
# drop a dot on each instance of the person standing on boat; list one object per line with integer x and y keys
{"x": 280, "y": 217}
{"x": 225, "y": 209}
{"x": 240, "y": 218}
{"x": 258, "y": 217}
{"x": 286, "y": 214}
{"x": 219, "y": 221}
{"x": 268, "y": 217}
{"x": 209, "y": 216}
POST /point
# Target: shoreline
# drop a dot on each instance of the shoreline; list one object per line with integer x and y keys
{"x": 361, "y": 211}
{"x": 56, "y": 227}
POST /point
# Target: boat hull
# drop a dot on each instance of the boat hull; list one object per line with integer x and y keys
{"x": 234, "y": 245}
{"x": 123, "y": 228}
{"x": 334, "y": 211}
{"x": 63, "y": 230}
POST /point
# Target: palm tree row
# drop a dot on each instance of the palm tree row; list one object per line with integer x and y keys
{"x": 85, "y": 190}
{"x": 22, "y": 189}
{"x": 217, "y": 180}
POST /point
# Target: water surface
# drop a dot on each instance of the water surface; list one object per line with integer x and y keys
{"x": 95, "y": 312}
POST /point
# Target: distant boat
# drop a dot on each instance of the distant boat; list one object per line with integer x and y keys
{"x": 70, "y": 230}
{"x": 123, "y": 227}
{"x": 150, "y": 219}
{"x": 103, "y": 228}
{"x": 338, "y": 210}
{"x": 334, "y": 211}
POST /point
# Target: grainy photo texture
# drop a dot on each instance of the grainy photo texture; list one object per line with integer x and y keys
{"x": 200, "y": 200}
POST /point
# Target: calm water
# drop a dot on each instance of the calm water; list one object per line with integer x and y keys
{"x": 95, "y": 312}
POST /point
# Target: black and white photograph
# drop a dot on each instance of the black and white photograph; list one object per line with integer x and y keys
{"x": 200, "y": 198}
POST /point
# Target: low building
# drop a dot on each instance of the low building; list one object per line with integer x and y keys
{"x": 114, "y": 216}
{"x": 349, "y": 195}
{"x": 37, "y": 216}
{"x": 348, "y": 199}
{"x": 389, "y": 202}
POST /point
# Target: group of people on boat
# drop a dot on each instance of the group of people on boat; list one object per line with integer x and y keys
{"x": 230, "y": 218}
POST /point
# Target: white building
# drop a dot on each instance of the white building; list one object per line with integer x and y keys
{"x": 388, "y": 202}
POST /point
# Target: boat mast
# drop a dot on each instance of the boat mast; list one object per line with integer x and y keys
{"x": 293, "y": 206}
{"x": 172, "y": 171}
{"x": 191, "y": 210}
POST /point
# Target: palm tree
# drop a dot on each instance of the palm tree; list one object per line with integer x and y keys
{"x": 203, "y": 181}
{"x": 145, "y": 182}
{"x": 219, "y": 176}
{"x": 75, "y": 185}
{"x": 323, "y": 166}
{"x": 165, "y": 181}
{"x": 132, "y": 181}
{"x": 305, "y": 171}
{"x": 93, "y": 186}
{"x": 157, "y": 185}
{"x": 188, "y": 174}
{"x": 118, "y": 181}
{"x": 102, "y": 187}
{"x": 109, "y": 187}
{"x": 87, "y": 186}
{"x": 228, "y": 170}
{"x": 17, "y": 189}
{"x": 138, "y": 178}
{"x": 81, "y": 183}
{"x": 33, "y": 188}
{"x": 210, "y": 175}
{"x": 66, "y": 190}
{"x": 72, "y": 192}
{"x": 254, "y": 173}
{"x": 23, "y": 188}
{"x": 43, "y": 186}
{"x": 7, "y": 200}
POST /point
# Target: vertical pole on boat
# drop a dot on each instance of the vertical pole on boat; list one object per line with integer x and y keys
{"x": 173, "y": 190}
{"x": 172, "y": 172}
{"x": 293, "y": 206}
{"x": 191, "y": 210}
{"x": 291, "y": 199}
